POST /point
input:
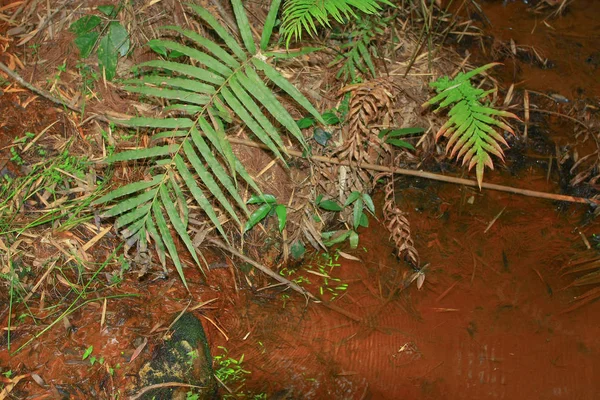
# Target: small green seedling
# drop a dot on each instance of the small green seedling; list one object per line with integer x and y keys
{"x": 390, "y": 136}
{"x": 268, "y": 207}
{"x": 104, "y": 35}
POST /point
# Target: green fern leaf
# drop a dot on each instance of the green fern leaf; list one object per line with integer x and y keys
{"x": 469, "y": 129}
{"x": 167, "y": 239}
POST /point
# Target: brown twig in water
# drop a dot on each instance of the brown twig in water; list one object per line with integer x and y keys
{"x": 430, "y": 175}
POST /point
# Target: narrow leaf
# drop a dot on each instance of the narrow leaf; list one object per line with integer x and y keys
{"x": 165, "y": 235}
{"x": 129, "y": 189}
{"x": 258, "y": 215}
{"x": 281, "y": 212}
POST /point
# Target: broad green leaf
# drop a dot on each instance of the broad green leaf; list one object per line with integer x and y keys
{"x": 352, "y": 198}
{"x": 330, "y": 205}
{"x": 297, "y": 250}
{"x": 165, "y": 235}
{"x": 281, "y": 212}
{"x": 85, "y": 24}
{"x": 369, "y": 203}
{"x": 136, "y": 154}
{"x": 331, "y": 238}
{"x": 331, "y": 118}
{"x": 306, "y": 122}
{"x": 400, "y": 143}
{"x": 107, "y": 10}
{"x": 258, "y": 215}
{"x": 364, "y": 220}
{"x": 353, "y": 239}
{"x": 357, "y": 213}
{"x": 269, "y": 24}
{"x": 399, "y": 132}
{"x": 178, "y": 224}
{"x": 128, "y": 204}
{"x": 262, "y": 199}
{"x": 129, "y": 189}
{"x": 119, "y": 38}
{"x": 85, "y": 43}
{"x": 107, "y": 57}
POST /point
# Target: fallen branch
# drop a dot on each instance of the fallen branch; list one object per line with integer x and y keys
{"x": 429, "y": 175}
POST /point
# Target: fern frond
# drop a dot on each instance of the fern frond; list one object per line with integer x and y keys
{"x": 305, "y": 15}
{"x": 189, "y": 153}
{"x": 470, "y": 127}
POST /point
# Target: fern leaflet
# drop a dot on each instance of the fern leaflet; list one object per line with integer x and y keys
{"x": 470, "y": 127}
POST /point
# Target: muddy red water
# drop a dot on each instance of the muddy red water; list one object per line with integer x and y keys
{"x": 486, "y": 325}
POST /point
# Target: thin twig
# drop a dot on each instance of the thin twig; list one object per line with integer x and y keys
{"x": 430, "y": 175}
{"x": 16, "y": 77}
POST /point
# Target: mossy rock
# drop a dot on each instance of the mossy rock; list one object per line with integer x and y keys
{"x": 183, "y": 358}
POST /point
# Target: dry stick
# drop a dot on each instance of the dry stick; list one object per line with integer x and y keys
{"x": 15, "y": 76}
{"x": 429, "y": 175}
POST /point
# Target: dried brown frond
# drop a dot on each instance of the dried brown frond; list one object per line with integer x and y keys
{"x": 371, "y": 107}
{"x": 397, "y": 223}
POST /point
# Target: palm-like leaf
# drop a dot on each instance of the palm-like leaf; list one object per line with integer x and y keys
{"x": 470, "y": 127}
{"x": 192, "y": 151}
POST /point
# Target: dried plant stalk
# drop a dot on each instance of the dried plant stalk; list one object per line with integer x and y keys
{"x": 399, "y": 227}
